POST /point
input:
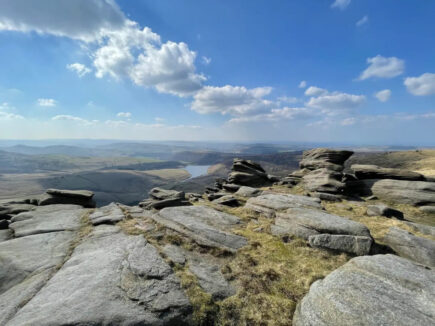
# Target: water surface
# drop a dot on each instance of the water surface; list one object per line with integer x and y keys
{"x": 196, "y": 170}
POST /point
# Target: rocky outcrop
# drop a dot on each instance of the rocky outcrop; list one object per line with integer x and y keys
{"x": 324, "y": 180}
{"x": 124, "y": 274}
{"x": 204, "y": 225}
{"x": 248, "y": 173}
{"x": 109, "y": 214}
{"x": 73, "y": 197}
{"x": 416, "y": 193}
{"x": 227, "y": 200}
{"x": 383, "y": 210}
{"x": 319, "y": 158}
{"x": 324, "y": 230}
{"x": 269, "y": 204}
{"x": 245, "y": 191}
{"x": 406, "y": 244}
{"x": 371, "y": 291}
{"x": 160, "y": 198}
{"x": 376, "y": 172}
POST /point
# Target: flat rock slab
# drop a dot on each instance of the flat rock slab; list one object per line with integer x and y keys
{"x": 211, "y": 280}
{"x": 406, "y": 244}
{"x": 21, "y": 257}
{"x": 46, "y": 219}
{"x": 6, "y": 235}
{"x": 84, "y": 194}
{"x": 227, "y": 200}
{"x": 245, "y": 191}
{"x": 109, "y": 214}
{"x": 371, "y": 291}
{"x": 383, "y": 210}
{"x": 363, "y": 171}
{"x": 175, "y": 254}
{"x": 111, "y": 278}
{"x": 425, "y": 229}
{"x": 73, "y": 197}
{"x": 356, "y": 245}
{"x": 205, "y": 225}
{"x": 269, "y": 204}
{"x": 428, "y": 209}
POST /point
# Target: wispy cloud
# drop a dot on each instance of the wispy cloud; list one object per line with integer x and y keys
{"x": 341, "y": 4}
{"x": 363, "y": 21}
{"x": 79, "y": 68}
{"x": 46, "y": 102}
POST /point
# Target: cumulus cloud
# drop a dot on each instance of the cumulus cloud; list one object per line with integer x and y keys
{"x": 118, "y": 46}
{"x": 303, "y": 84}
{"x": 341, "y": 4}
{"x": 66, "y": 117}
{"x": 124, "y": 115}
{"x": 315, "y": 91}
{"x": 422, "y": 85}
{"x": 336, "y": 102}
{"x": 232, "y": 100}
{"x": 363, "y": 21}
{"x": 285, "y": 113}
{"x": 384, "y": 95}
{"x": 46, "y": 102}
{"x": 79, "y": 19}
{"x": 5, "y": 115}
{"x": 78, "y": 68}
{"x": 382, "y": 67}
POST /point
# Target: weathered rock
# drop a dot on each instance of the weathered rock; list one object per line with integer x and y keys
{"x": 216, "y": 195}
{"x": 346, "y": 243}
{"x": 6, "y": 235}
{"x": 371, "y": 291}
{"x": 247, "y": 173}
{"x": 406, "y": 244}
{"x": 51, "y": 218}
{"x": 290, "y": 181}
{"x": 327, "y": 197}
{"x": 377, "y": 172}
{"x": 211, "y": 279}
{"x": 269, "y": 204}
{"x": 422, "y": 228}
{"x": 428, "y": 209}
{"x": 124, "y": 274}
{"x": 12, "y": 209}
{"x": 231, "y": 187}
{"x": 323, "y": 180}
{"x": 72, "y": 197}
{"x": 227, "y": 200}
{"x": 299, "y": 173}
{"x": 161, "y": 198}
{"x": 419, "y": 193}
{"x": 319, "y": 158}
{"x": 204, "y": 225}
{"x": 109, "y": 214}
{"x": 175, "y": 254}
{"x": 245, "y": 191}
{"x": 305, "y": 222}
{"x": 383, "y": 210}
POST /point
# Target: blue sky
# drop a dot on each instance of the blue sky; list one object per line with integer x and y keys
{"x": 352, "y": 71}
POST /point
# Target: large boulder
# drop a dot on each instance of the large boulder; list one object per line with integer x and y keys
{"x": 323, "y": 180}
{"x": 363, "y": 171}
{"x": 206, "y": 226}
{"x": 247, "y": 173}
{"x": 401, "y": 191}
{"x": 383, "y": 210}
{"x": 111, "y": 278}
{"x": 406, "y": 244}
{"x": 319, "y": 158}
{"x": 160, "y": 198}
{"x": 324, "y": 230}
{"x": 109, "y": 214}
{"x": 270, "y": 204}
{"x": 245, "y": 191}
{"x": 371, "y": 291}
{"x": 74, "y": 197}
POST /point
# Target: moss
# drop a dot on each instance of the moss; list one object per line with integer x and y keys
{"x": 204, "y": 308}
{"x": 272, "y": 276}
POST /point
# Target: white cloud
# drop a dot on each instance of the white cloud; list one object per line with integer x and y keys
{"x": 336, "y": 102}
{"x": 288, "y": 99}
{"x": 46, "y": 102}
{"x": 79, "y": 19}
{"x": 10, "y": 116}
{"x": 124, "y": 115}
{"x": 384, "y": 95}
{"x": 66, "y": 117}
{"x": 285, "y": 113}
{"x": 422, "y": 85}
{"x": 303, "y": 84}
{"x": 363, "y": 21}
{"x": 78, "y": 68}
{"x": 382, "y": 67}
{"x": 348, "y": 121}
{"x": 341, "y": 4}
{"x": 233, "y": 100}
{"x": 315, "y": 91}
{"x": 158, "y": 119}
{"x": 206, "y": 60}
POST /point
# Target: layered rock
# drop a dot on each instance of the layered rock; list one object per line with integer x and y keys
{"x": 248, "y": 173}
{"x": 160, "y": 198}
{"x": 406, "y": 244}
{"x": 74, "y": 197}
{"x": 109, "y": 214}
{"x": 204, "y": 225}
{"x": 371, "y": 291}
{"x": 376, "y": 172}
{"x": 319, "y": 158}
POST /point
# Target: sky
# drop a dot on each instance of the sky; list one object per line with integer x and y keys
{"x": 348, "y": 71}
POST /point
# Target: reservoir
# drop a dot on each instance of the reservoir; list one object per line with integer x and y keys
{"x": 196, "y": 170}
